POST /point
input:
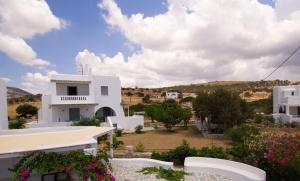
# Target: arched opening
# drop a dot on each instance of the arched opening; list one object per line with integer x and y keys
{"x": 104, "y": 112}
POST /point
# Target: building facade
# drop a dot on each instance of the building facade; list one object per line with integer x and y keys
{"x": 73, "y": 97}
{"x": 286, "y": 103}
{"x": 172, "y": 95}
{"x": 3, "y": 105}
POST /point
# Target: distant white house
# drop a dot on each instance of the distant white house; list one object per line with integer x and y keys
{"x": 3, "y": 105}
{"x": 72, "y": 97}
{"x": 172, "y": 95}
{"x": 286, "y": 103}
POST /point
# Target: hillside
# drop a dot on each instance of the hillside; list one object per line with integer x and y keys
{"x": 13, "y": 92}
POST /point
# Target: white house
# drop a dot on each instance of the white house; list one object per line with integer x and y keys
{"x": 286, "y": 103}
{"x": 172, "y": 95}
{"x": 3, "y": 105}
{"x": 15, "y": 144}
{"x": 72, "y": 97}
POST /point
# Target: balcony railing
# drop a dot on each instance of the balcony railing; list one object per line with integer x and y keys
{"x": 60, "y": 100}
{"x": 73, "y": 98}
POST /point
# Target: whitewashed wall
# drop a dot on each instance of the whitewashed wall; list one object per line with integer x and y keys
{"x": 3, "y": 105}
{"x": 127, "y": 123}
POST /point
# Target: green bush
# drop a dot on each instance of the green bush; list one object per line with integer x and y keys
{"x": 119, "y": 132}
{"x": 17, "y": 124}
{"x": 116, "y": 144}
{"x": 138, "y": 129}
{"x": 213, "y": 152}
{"x": 239, "y": 151}
{"x": 139, "y": 147}
{"x": 239, "y": 134}
{"x": 87, "y": 122}
{"x": 162, "y": 173}
{"x": 178, "y": 154}
{"x": 26, "y": 110}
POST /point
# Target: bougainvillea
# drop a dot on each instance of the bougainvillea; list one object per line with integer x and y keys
{"x": 73, "y": 165}
{"x": 281, "y": 149}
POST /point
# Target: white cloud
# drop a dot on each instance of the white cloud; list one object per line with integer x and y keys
{"x": 21, "y": 20}
{"x": 37, "y": 82}
{"x": 5, "y": 79}
{"x": 200, "y": 40}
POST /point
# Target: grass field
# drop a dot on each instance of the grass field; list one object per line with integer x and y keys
{"x": 161, "y": 139}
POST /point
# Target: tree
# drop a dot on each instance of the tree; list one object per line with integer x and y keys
{"x": 26, "y": 110}
{"x": 222, "y": 107}
{"x": 186, "y": 115}
{"x": 169, "y": 114}
{"x": 151, "y": 110}
{"x": 146, "y": 99}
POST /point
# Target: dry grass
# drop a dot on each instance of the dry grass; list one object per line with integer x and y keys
{"x": 163, "y": 140}
{"x": 12, "y": 108}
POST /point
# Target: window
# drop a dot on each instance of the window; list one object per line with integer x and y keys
{"x": 104, "y": 90}
{"x": 72, "y": 90}
{"x": 292, "y": 93}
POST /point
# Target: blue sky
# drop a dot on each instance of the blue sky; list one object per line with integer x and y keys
{"x": 86, "y": 30}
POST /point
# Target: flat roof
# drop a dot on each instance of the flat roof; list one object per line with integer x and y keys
{"x": 15, "y": 142}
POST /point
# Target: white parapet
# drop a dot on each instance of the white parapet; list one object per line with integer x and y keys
{"x": 143, "y": 162}
{"x": 127, "y": 123}
{"x": 3, "y": 105}
{"x": 235, "y": 170}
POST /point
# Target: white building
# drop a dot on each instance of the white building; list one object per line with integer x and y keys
{"x": 15, "y": 144}
{"x": 172, "y": 95}
{"x": 72, "y": 97}
{"x": 286, "y": 103}
{"x": 3, "y": 105}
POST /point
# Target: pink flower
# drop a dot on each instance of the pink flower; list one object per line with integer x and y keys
{"x": 24, "y": 175}
{"x": 112, "y": 178}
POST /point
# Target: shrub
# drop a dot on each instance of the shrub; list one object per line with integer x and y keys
{"x": 162, "y": 173}
{"x": 17, "y": 124}
{"x": 178, "y": 154}
{"x": 116, "y": 144}
{"x": 26, "y": 110}
{"x": 72, "y": 164}
{"x": 139, "y": 147}
{"x": 87, "y": 122}
{"x": 239, "y": 134}
{"x": 138, "y": 129}
{"x": 239, "y": 151}
{"x": 213, "y": 152}
{"x": 119, "y": 132}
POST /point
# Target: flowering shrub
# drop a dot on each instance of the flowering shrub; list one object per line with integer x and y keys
{"x": 73, "y": 163}
{"x": 279, "y": 156}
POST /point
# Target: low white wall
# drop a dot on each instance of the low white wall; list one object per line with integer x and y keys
{"x": 235, "y": 170}
{"x": 144, "y": 162}
{"x": 127, "y": 123}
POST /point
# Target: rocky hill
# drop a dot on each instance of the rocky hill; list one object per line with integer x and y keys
{"x": 14, "y": 92}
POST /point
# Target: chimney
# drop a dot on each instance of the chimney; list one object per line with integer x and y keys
{"x": 3, "y": 105}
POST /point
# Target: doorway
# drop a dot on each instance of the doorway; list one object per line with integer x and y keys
{"x": 74, "y": 114}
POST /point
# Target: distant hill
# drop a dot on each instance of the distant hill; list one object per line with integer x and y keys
{"x": 14, "y": 92}
{"x": 236, "y": 86}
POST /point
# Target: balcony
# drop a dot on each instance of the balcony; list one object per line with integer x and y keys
{"x": 65, "y": 99}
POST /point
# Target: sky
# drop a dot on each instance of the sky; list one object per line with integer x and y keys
{"x": 150, "y": 43}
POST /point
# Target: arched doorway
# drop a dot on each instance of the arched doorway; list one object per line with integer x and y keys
{"x": 104, "y": 112}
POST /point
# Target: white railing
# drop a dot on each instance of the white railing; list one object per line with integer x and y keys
{"x": 72, "y": 99}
